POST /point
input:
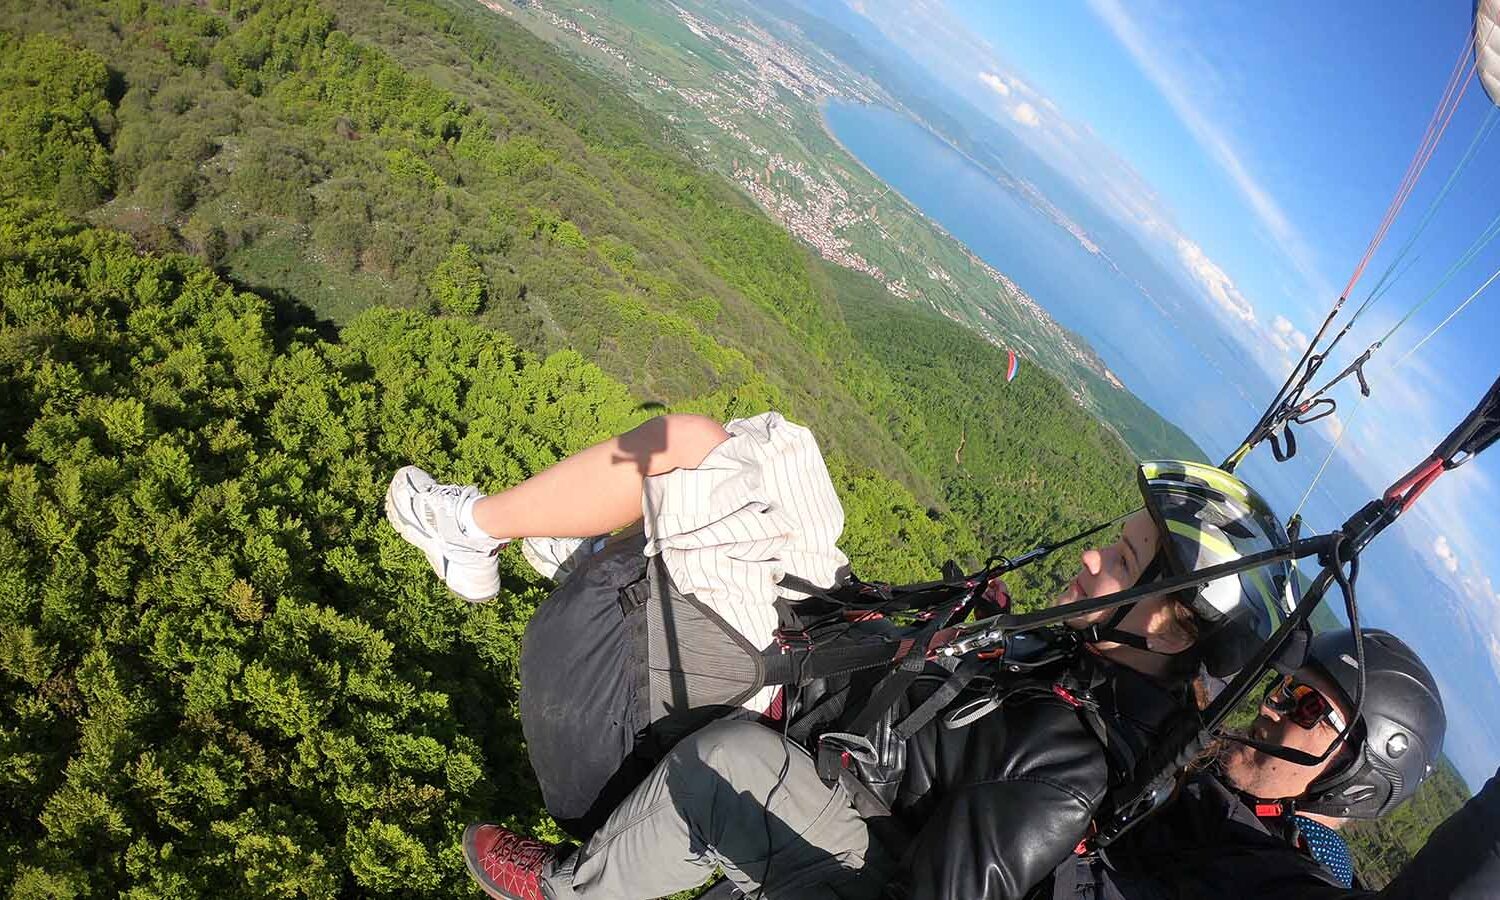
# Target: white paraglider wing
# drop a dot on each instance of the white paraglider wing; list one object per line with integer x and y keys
{"x": 1487, "y": 46}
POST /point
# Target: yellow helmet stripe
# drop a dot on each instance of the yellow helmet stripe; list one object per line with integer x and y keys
{"x": 1228, "y": 553}
{"x": 1217, "y": 479}
{"x": 1213, "y": 542}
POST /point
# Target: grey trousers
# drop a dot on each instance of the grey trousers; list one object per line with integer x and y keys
{"x": 704, "y": 806}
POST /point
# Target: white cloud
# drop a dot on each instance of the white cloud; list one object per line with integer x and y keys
{"x": 1444, "y": 553}
{"x": 1214, "y": 280}
{"x": 1178, "y": 81}
{"x": 1287, "y": 338}
{"x": 1026, "y": 114}
{"x": 996, "y": 83}
{"x": 1334, "y": 424}
{"x": 1077, "y": 151}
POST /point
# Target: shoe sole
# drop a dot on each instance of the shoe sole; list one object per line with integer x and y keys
{"x": 413, "y": 535}
{"x": 476, "y": 869}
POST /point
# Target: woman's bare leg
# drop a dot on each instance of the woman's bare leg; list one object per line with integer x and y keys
{"x": 598, "y": 490}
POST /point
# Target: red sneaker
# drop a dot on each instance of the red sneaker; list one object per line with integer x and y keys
{"x": 508, "y": 866}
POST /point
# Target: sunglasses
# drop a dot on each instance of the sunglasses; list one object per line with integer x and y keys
{"x": 1303, "y": 704}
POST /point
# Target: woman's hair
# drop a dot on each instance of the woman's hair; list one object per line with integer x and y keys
{"x": 1183, "y": 623}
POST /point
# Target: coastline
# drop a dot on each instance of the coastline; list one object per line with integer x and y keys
{"x": 1095, "y": 363}
{"x": 1080, "y": 356}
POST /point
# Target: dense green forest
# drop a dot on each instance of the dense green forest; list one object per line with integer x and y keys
{"x": 221, "y": 670}
{"x": 1383, "y": 847}
{"x": 438, "y": 159}
{"x": 256, "y": 255}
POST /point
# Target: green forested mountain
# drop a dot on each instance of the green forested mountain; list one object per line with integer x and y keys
{"x": 254, "y": 256}
{"x": 1383, "y": 847}
{"x": 334, "y": 158}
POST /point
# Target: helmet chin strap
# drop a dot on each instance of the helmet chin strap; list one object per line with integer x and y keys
{"x": 1110, "y": 631}
{"x": 1279, "y": 751}
{"x": 1300, "y": 757}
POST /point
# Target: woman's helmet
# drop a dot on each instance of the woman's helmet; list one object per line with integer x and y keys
{"x": 1399, "y": 732}
{"x": 1208, "y": 517}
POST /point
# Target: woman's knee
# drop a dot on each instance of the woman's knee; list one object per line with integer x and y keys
{"x": 690, "y": 438}
{"x": 673, "y": 441}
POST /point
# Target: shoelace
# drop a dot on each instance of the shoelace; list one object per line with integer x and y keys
{"x": 446, "y": 492}
{"x": 527, "y": 854}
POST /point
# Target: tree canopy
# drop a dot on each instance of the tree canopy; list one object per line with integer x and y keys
{"x": 255, "y": 255}
{"x": 224, "y": 673}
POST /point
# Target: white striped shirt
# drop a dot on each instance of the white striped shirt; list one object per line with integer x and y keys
{"x": 759, "y": 506}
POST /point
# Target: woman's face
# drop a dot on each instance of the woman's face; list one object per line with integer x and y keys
{"x": 1116, "y": 567}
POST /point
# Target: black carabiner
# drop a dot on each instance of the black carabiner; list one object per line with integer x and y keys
{"x": 1305, "y": 415}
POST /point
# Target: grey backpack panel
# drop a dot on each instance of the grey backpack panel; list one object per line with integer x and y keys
{"x": 701, "y": 668}
{"x": 617, "y": 665}
{"x": 583, "y": 697}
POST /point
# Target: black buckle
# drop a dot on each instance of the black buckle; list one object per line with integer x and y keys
{"x": 788, "y": 640}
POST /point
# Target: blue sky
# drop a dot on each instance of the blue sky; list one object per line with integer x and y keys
{"x": 1254, "y": 148}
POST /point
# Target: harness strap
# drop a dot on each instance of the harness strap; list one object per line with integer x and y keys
{"x": 828, "y": 709}
{"x": 1079, "y": 693}
{"x": 833, "y": 753}
{"x": 795, "y": 664}
{"x": 803, "y": 586}
{"x": 954, "y": 684}
{"x": 888, "y": 691}
{"x": 976, "y": 709}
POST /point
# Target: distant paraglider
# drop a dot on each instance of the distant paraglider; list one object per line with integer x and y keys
{"x": 1013, "y": 362}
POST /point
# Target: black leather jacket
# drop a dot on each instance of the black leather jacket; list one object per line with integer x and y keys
{"x": 1208, "y": 843}
{"x": 989, "y": 809}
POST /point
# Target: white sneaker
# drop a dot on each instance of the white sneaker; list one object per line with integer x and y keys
{"x": 556, "y": 558}
{"x": 427, "y": 515}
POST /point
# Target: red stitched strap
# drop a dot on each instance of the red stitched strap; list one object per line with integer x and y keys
{"x": 1411, "y": 486}
{"x": 1066, "y": 695}
{"x": 1088, "y": 837}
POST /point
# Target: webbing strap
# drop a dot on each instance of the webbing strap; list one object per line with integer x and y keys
{"x": 831, "y": 749}
{"x": 828, "y": 709}
{"x": 951, "y": 687}
{"x": 797, "y": 665}
{"x": 1479, "y": 430}
{"x": 888, "y": 691}
{"x": 803, "y": 586}
{"x": 1113, "y": 743}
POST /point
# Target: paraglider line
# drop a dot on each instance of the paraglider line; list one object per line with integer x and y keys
{"x": 1486, "y": 127}
{"x": 1425, "y": 148}
{"x": 1489, "y": 234}
{"x": 1360, "y": 403}
{"x": 1450, "y": 317}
